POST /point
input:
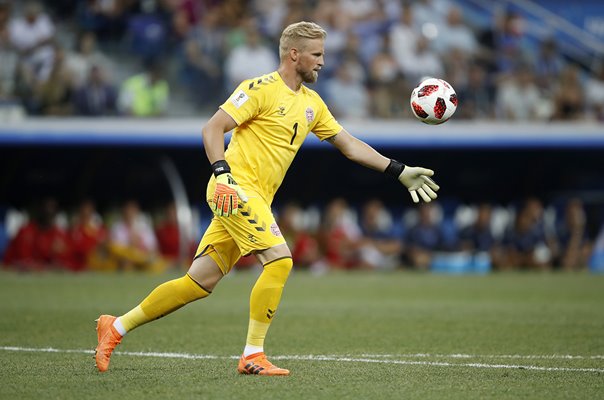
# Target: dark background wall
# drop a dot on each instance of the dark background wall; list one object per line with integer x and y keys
{"x": 110, "y": 174}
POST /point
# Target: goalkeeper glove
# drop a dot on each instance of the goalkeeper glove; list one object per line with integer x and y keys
{"x": 227, "y": 193}
{"x": 416, "y": 180}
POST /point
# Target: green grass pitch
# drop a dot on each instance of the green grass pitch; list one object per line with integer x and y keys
{"x": 344, "y": 336}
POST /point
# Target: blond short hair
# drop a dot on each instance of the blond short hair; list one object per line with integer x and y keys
{"x": 299, "y": 30}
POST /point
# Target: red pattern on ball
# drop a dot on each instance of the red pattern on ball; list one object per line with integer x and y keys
{"x": 453, "y": 99}
{"x": 427, "y": 90}
{"x": 439, "y": 108}
{"x": 418, "y": 110}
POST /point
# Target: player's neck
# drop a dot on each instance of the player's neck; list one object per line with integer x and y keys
{"x": 291, "y": 79}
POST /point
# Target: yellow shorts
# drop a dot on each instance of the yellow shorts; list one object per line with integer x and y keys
{"x": 252, "y": 229}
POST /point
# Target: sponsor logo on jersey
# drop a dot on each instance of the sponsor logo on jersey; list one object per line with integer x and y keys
{"x": 239, "y": 98}
{"x": 281, "y": 111}
{"x": 310, "y": 115}
{"x": 275, "y": 229}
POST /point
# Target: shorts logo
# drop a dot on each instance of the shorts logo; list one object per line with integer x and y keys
{"x": 275, "y": 229}
{"x": 310, "y": 115}
{"x": 239, "y": 98}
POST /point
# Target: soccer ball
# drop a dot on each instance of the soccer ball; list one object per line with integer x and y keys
{"x": 434, "y": 101}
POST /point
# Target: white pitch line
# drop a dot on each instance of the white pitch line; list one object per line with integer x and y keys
{"x": 311, "y": 358}
{"x": 495, "y": 356}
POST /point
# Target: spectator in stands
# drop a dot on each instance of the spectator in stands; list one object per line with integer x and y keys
{"x": 202, "y": 67}
{"x": 53, "y": 96}
{"x": 509, "y": 44}
{"x": 41, "y": 243}
{"x": 20, "y": 252}
{"x": 457, "y": 66}
{"x": 432, "y": 12}
{"x": 252, "y": 58}
{"x": 381, "y": 246}
{"x": 424, "y": 62}
{"x": 168, "y": 234}
{"x": 350, "y": 50}
{"x": 336, "y": 23}
{"x": 478, "y": 237}
{"x": 340, "y": 235}
{"x": 544, "y": 229}
{"x": 132, "y": 244}
{"x": 594, "y": 93}
{"x": 524, "y": 245}
{"x": 383, "y": 72}
{"x": 596, "y": 258}
{"x": 518, "y": 97}
{"x": 548, "y": 66}
{"x": 370, "y": 27}
{"x": 423, "y": 238}
{"x": 86, "y": 233}
{"x": 569, "y": 96}
{"x": 573, "y": 243}
{"x": 403, "y": 36}
{"x": 33, "y": 36}
{"x": 96, "y": 97}
{"x": 84, "y": 57}
{"x": 9, "y": 64}
{"x": 5, "y": 15}
{"x": 146, "y": 94}
{"x": 180, "y": 24}
{"x": 455, "y": 34}
{"x": 107, "y": 19}
{"x": 303, "y": 245}
{"x": 477, "y": 95}
{"x": 400, "y": 107}
{"x": 347, "y": 94}
{"x": 147, "y": 31}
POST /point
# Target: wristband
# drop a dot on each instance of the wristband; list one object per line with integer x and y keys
{"x": 394, "y": 169}
{"x": 220, "y": 167}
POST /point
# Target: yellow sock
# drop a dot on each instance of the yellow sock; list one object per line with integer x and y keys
{"x": 164, "y": 299}
{"x": 265, "y": 298}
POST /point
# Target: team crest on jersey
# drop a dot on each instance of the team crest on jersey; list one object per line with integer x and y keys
{"x": 239, "y": 98}
{"x": 310, "y": 115}
{"x": 275, "y": 229}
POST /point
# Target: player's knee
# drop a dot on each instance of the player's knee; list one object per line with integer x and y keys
{"x": 195, "y": 291}
{"x": 281, "y": 266}
{"x": 205, "y": 272}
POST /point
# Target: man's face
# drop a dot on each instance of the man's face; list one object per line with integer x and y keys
{"x": 310, "y": 59}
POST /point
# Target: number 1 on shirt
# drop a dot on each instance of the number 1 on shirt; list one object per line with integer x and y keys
{"x": 295, "y": 133}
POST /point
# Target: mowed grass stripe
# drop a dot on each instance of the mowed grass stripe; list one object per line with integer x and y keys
{"x": 330, "y": 358}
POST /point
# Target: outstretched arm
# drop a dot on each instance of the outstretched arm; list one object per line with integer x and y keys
{"x": 416, "y": 179}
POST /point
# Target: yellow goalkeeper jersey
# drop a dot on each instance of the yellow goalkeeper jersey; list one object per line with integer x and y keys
{"x": 272, "y": 123}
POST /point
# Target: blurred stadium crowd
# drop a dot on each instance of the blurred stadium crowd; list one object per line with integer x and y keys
{"x": 466, "y": 239}
{"x": 182, "y": 57}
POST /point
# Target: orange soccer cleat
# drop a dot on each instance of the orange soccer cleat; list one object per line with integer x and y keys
{"x": 108, "y": 338}
{"x": 257, "y": 364}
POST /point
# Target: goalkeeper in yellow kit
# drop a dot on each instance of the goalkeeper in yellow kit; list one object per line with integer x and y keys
{"x": 270, "y": 117}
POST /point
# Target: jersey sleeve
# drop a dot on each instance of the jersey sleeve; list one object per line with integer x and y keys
{"x": 326, "y": 125}
{"x": 243, "y": 104}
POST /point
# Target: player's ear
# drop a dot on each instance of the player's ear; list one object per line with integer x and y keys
{"x": 293, "y": 54}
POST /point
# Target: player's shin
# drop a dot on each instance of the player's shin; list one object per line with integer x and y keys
{"x": 164, "y": 299}
{"x": 264, "y": 301}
